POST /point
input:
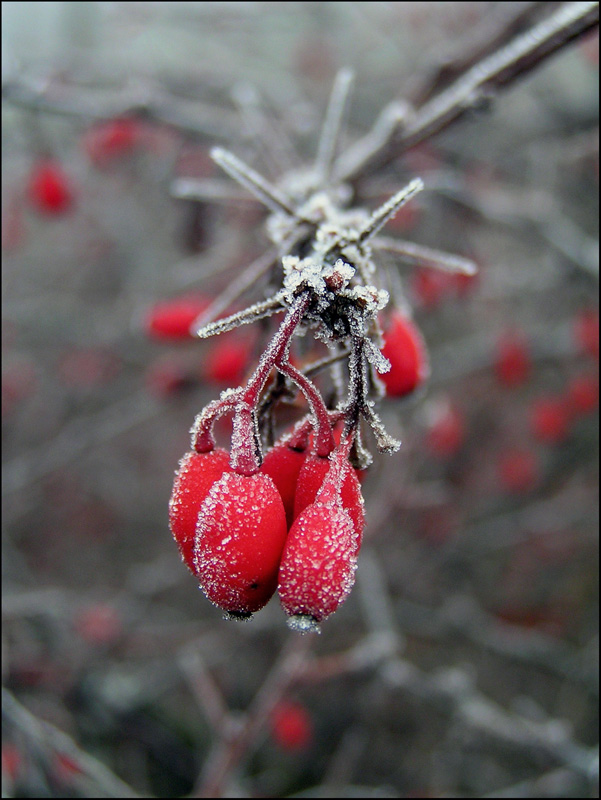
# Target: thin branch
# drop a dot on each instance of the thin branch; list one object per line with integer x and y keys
{"x": 494, "y": 30}
{"x": 330, "y": 134}
{"x": 251, "y": 314}
{"x": 479, "y": 85}
{"x": 236, "y": 288}
{"x": 208, "y": 189}
{"x": 264, "y": 191}
{"x": 417, "y": 253}
{"x": 385, "y": 212}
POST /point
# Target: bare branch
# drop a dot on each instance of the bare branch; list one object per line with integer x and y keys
{"x": 480, "y": 83}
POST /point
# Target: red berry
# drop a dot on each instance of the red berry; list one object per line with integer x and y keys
{"x": 291, "y": 726}
{"x": 240, "y": 534}
{"x": 227, "y": 361}
{"x": 49, "y": 188}
{"x": 518, "y": 470}
{"x": 406, "y": 351}
{"x": 112, "y": 139}
{"x": 512, "y": 360}
{"x": 98, "y": 624}
{"x": 446, "y": 433}
{"x": 166, "y": 377}
{"x": 194, "y": 478}
{"x": 430, "y": 286}
{"x": 311, "y": 478}
{"x": 583, "y": 394}
{"x": 406, "y": 218}
{"x": 318, "y": 565}
{"x": 172, "y": 319}
{"x": 283, "y": 463}
{"x": 586, "y": 332}
{"x": 12, "y": 761}
{"x": 550, "y": 419}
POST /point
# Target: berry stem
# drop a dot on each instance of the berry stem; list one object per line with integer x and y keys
{"x": 324, "y": 440}
{"x": 246, "y": 454}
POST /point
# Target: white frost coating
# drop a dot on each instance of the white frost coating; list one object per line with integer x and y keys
{"x": 301, "y": 623}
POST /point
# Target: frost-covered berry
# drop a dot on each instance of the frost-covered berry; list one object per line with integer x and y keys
{"x": 283, "y": 463}
{"x": 194, "y": 478}
{"x": 320, "y": 558}
{"x": 311, "y": 478}
{"x": 318, "y": 565}
{"x": 240, "y": 534}
{"x": 405, "y": 349}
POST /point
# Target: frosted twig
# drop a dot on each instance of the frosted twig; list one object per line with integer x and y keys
{"x": 235, "y": 289}
{"x": 264, "y": 191}
{"x": 381, "y": 215}
{"x": 477, "y": 86}
{"x": 426, "y": 255}
{"x": 208, "y": 189}
{"x": 330, "y": 134}
{"x": 262, "y": 131}
{"x": 205, "y": 689}
{"x": 228, "y": 754}
{"x": 41, "y": 735}
{"x": 251, "y": 314}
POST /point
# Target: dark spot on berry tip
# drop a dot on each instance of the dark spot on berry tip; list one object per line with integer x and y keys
{"x": 240, "y": 616}
{"x": 254, "y": 585}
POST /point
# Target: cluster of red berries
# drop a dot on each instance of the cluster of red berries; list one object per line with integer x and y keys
{"x": 287, "y": 517}
{"x": 295, "y": 524}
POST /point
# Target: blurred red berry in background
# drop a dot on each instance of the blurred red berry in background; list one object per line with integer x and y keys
{"x": 49, "y": 188}
{"x": 227, "y": 361}
{"x": 404, "y": 347}
{"x": 98, "y": 624}
{"x": 112, "y": 139}
{"x": 512, "y": 359}
{"x": 586, "y": 332}
{"x": 549, "y": 419}
{"x": 583, "y": 394}
{"x": 518, "y": 470}
{"x": 291, "y": 726}
{"x": 446, "y": 432}
{"x": 171, "y": 319}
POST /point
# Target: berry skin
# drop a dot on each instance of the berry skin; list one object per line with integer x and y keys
{"x": 311, "y": 477}
{"x": 291, "y": 726}
{"x": 406, "y": 351}
{"x": 49, "y": 189}
{"x": 194, "y": 478}
{"x": 512, "y": 360}
{"x": 283, "y": 463}
{"x": 172, "y": 319}
{"x": 240, "y": 534}
{"x": 318, "y": 565}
